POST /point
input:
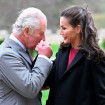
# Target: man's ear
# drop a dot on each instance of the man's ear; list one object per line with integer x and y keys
{"x": 78, "y": 29}
{"x": 26, "y": 31}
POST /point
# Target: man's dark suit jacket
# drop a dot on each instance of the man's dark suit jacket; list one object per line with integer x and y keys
{"x": 82, "y": 83}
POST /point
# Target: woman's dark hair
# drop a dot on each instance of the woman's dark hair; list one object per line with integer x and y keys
{"x": 77, "y": 15}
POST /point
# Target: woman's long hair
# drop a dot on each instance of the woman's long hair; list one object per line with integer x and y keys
{"x": 77, "y": 15}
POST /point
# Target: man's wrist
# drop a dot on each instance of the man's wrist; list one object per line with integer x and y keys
{"x": 45, "y": 57}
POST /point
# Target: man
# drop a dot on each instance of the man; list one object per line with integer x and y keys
{"x": 19, "y": 83}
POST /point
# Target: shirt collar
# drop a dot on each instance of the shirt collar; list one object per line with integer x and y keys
{"x": 17, "y": 41}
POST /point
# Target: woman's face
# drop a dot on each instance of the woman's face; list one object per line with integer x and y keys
{"x": 67, "y": 31}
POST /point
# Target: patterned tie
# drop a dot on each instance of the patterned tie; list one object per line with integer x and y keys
{"x": 29, "y": 55}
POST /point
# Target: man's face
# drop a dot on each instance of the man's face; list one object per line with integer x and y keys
{"x": 37, "y": 35}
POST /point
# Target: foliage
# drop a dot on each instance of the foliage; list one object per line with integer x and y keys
{"x": 1, "y": 40}
{"x": 33, "y": 53}
{"x": 55, "y": 48}
{"x": 99, "y": 20}
{"x": 45, "y": 94}
{"x": 102, "y": 45}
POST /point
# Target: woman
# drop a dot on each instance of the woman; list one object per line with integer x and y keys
{"x": 78, "y": 74}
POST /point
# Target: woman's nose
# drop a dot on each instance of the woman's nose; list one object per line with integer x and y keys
{"x": 61, "y": 32}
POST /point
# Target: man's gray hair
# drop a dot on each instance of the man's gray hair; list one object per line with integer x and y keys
{"x": 29, "y": 17}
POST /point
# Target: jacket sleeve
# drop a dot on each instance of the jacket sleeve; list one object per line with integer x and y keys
{"x": 15, "y": 74}
{"x": 98, "y": 79}
{"x": 50, "y": 79}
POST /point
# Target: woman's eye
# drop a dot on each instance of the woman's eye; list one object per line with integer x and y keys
{"x": 63, "y": 28}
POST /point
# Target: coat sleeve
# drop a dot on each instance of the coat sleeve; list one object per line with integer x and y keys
{"x": 15, "y": 74}
{"x": 98, "y": 79}
{"x": 50, "y": 79}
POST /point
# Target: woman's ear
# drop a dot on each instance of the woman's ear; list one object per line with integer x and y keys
{"x": 26, "y": 31}
{"x": 78, "y": 29}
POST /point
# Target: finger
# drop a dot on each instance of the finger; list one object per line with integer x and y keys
{"x": 36, "y": 48}
{"x": 41, "y": 43}
{"x": 47, "y": 44}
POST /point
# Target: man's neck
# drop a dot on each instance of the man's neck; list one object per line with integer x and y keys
{"x": 16, "y": 39}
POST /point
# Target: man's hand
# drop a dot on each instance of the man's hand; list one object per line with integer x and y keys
{"x": 44, "y": 48}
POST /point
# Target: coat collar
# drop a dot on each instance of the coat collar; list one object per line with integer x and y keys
{"x": 64, "y": 61}
{"x": 16, "y": 47}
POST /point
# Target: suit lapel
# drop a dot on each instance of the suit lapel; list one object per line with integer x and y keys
{"x": 73, "y": 63}
{"x": 16, "y": 47}
{"x": 33, "y": 63}
{"x": 76, "y": 59}
{"x": 26, "y": 56}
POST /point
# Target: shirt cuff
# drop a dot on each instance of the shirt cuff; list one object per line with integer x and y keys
{"x": 45, "y": 58}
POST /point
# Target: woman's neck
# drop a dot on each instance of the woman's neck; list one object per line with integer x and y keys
{"x": 75, "y": 46}
{"x": 76, "y": 43}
